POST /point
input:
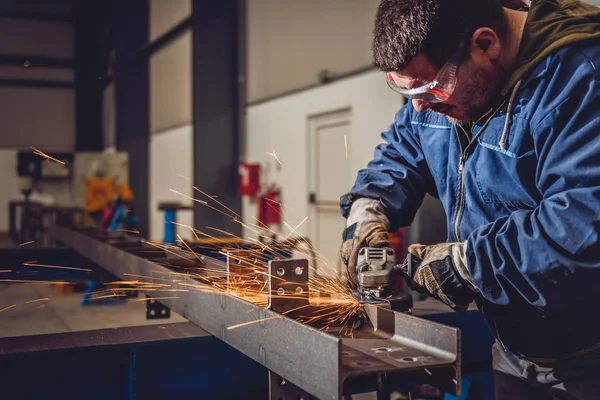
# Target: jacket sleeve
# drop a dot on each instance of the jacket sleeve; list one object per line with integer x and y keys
{"x": 397, "y": 176}
{"x": 549, "y": 257}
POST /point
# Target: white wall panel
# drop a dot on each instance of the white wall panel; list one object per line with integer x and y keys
{"x": 39, "y": 117}
{"x": 10, "y": 184}
{"x": 281, "y": 125}
{"x": 171, "y": 85}
{"x": 165, "y": 14}
{"x": 36, "y": 38}
{"x": 171, "y": 167}
{"x": 289, "y": 42}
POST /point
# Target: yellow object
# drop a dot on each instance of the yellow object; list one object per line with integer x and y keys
{"x": 98, "y": 193}
{"x": 125, "y": 193}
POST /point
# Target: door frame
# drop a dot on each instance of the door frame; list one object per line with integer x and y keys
{"x": 335, "y": 117}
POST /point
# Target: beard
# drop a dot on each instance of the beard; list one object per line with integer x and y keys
{"x": 473, "y": 97}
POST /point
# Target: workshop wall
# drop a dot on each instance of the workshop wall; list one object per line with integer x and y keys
{"x": 37, "y": 102}
{"x": 289, "y": 43}
{"x": 171, "y": 130}
{"x": 171, "y": 85}
{"x": 164, "y": 15}
{"x": 10, "y": 184}
{"x": 36, "y": 116}
{"x": 281, "y": 125}
{"x": 171, "y": 168}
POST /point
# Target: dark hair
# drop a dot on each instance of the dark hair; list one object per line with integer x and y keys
{"x": 403, "y": 28}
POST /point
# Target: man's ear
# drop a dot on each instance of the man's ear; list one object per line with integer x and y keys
{"x": 487, "y": 42}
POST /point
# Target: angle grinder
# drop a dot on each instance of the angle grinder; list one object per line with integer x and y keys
{"x": 376, "y": 274}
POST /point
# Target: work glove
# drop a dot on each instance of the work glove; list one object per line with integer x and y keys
{"x": 366, "y": 226}
{"x": 442, "y": 272}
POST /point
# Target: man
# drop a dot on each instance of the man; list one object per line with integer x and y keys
{"x": 503, "y": 126}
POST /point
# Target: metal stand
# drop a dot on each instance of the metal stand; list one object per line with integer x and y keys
{"x": 155, "y": 310}
{"x": 282, "y": 389}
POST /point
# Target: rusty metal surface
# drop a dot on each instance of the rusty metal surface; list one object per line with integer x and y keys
{"x": 398, "y": 347}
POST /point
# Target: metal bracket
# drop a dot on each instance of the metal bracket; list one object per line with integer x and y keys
{"x": 243, "y": 269}
{"x": 155, "y": 310}
{"x": 288, "y": 285}
{"x": 280, "y": 388}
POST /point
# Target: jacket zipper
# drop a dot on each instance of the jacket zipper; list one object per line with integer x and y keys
{"x": 463, "y": 159}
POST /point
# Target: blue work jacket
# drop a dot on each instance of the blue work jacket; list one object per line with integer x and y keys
{"x": 522, "y": 188}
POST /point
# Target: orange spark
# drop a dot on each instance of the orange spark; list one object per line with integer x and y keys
{"x": 346, "y": 146}
{"x": 274, "y": 155}
{"x": 8, "y": 308}
{"x": 42, "y": 282}
{"x": 44, "y": 155}
{"x": 153, "y": 298}
{"x": 251, "y": 322}
{"x": 56, "y": 266}
{"x": 128, "y": 230}
{"x": 188, "y": 197}
{"x": 33, "y": 301}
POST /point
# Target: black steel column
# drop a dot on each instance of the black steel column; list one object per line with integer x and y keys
{"x": 90, "y": 74}
{"x": 217, "y": 107}
{"x": 132, "y": 100}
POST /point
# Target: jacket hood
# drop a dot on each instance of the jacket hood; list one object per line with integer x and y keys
{"x": 551, "y": 25}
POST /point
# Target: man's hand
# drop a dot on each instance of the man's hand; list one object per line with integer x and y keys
{"x": 443, "y": 274}
{"x": 367, "y": 226}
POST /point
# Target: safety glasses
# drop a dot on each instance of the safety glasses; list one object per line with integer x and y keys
{"x": 436, "y": 91}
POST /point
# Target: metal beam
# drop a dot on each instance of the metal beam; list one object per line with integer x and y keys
{"x": 30, "y": 61}
{"x": 132, "y": 85}
{"x": 168, "y": 37}
{"x": 36, "y": 83}
{"x": 401, "y": 346}
{"x": 217, "y": 113}
{"x": 35, "y": 15}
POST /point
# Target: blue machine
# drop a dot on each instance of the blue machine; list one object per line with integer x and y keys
{"x": 170, "y": 213}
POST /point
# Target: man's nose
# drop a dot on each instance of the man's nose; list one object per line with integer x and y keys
{"x": 421, "y": 105}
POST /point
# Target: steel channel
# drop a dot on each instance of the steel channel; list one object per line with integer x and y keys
{"x": 402, "y": 346}
{"x": 305, "y": 356}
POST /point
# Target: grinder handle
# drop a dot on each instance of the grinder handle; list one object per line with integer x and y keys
{"x": 408, "y": 267}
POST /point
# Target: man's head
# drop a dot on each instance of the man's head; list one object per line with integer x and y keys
{"x": 414, "y": 39}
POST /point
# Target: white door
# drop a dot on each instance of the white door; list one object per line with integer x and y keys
{"x": 328, "y": 165}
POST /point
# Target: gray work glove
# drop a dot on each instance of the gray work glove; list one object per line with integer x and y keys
{"x": 443, "y": 273}
{"x": 366, "y": 226}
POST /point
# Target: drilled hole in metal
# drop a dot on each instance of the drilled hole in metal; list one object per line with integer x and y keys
{"x": 299, "y": 270}
{"x": 409, "y": 359}
{"x": 152, "y": 312}
{"x": 299, "y": 290}
{"x": 163, "y": 311}
{"x": 281, "y": 291}
{"x": 383, "y": 349}
{"x": 280, "y": 271}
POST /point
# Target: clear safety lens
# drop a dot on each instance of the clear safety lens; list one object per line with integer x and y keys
{"x": 436, "y": 91}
